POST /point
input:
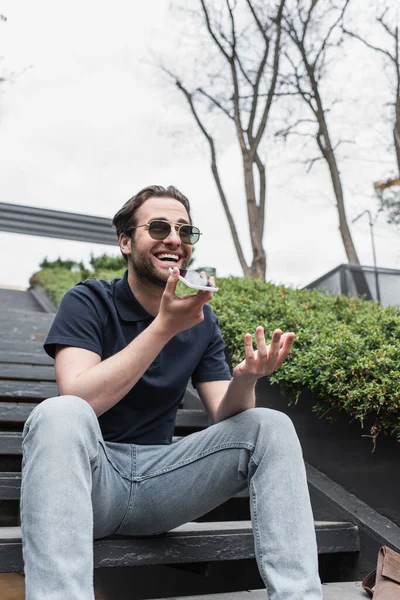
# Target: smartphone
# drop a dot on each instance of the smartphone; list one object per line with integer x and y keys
{"x": 193, "y": 280}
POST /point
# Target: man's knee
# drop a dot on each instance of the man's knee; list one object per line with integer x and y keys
{"x": 268, "y": 418}
{"x": 273, "y": 431}
{"x": 59, "y": 415}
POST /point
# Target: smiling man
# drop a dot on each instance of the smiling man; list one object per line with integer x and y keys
{"x": 98, "y": 459}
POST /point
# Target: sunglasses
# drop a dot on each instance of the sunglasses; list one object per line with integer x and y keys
{"x": 160, "y": 230}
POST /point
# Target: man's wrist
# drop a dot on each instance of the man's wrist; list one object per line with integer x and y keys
{"x": 160, "y": 327}
{"x": 245, "y": 379}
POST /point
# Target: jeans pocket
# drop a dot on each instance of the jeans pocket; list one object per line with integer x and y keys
{"x": 120, "y": 456}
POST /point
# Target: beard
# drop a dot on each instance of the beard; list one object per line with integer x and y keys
{"x": 145, "y": 269}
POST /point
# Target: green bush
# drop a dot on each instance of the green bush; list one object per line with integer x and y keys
{"x": 56, "y": 282}
{"x": 58, "y": 276}
{"x": 347, "y": 351}
{"x": 59, "y": 263}
{"x": 107, "y": 263}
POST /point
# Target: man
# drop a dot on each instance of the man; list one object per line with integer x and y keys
{"x": 98, "y": 459}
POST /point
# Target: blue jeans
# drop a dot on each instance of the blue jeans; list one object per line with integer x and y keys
{"x": 75, "y": 487}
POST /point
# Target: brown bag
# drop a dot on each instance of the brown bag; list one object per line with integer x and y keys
{"x": 384, "y": 583}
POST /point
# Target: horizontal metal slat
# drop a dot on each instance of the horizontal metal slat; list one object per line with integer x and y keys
{"x": 29, "y": 390}
{"x": 61, "y": 233}
{"x": 25, "y": 372}
{"x": 25, "y": 358}
{"x": 34, "y": 221}
{"x": 10, "y": 486}
{"x": 18, "y": 412}
{"x": 22, "y": 210}
{"x": 59, "y": 224}
{"x": 15, "y": 412}
{"x": 10, "y": 443}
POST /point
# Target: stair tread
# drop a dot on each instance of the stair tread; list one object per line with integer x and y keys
{"x": 21, "y": 300}
{"x": 193, "y": 528}
{"x": 331, "y": 591}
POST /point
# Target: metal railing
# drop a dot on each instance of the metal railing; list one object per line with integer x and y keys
{"x": 43, "y": 222}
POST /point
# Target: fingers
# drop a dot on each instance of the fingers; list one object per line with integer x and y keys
{"x": 286, "y": 348}
{"x": 202, "y": 292}
{"x": 248, "y": 347}
{"x": 266, "y": 359}
{"x": 172, "y": 282}
{"x": 275, "y": 347}
{"x": 261, "y": 345}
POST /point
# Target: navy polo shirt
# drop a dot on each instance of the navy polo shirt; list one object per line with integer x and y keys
{"x": 104, "y": 317}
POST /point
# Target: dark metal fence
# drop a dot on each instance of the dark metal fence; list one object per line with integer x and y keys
{"x": 56, "y": 224}
{"x": 355, "y": 280}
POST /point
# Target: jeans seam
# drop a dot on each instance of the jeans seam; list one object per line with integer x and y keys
{"x": 253, "y": 461}
{"x": 257, "y": 537}
{"x": 134, "y": 459}
{"x": 194, "y": 458}
{"x": 132, "y": 491}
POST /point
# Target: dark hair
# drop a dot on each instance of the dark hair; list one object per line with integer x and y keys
{"x": 125, "y": 218}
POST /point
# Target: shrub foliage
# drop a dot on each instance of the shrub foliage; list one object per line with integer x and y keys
{"x": 347, "y": 351}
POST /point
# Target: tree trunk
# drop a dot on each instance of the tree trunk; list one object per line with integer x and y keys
{"x": 258, "y": 265}
{"x": 330, "y": 158}
{"x": 259, "y": 262}
{"x": 326, "y": 148}
{"x": 396, "y": 130}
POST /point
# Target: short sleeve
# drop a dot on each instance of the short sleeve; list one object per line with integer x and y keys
{"x": 212, "y": 366}
{"x": 77, "y": 322}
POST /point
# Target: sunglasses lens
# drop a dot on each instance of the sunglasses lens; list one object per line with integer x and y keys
{"x": 159, "y": 230}
{"x": 189, "y": 234}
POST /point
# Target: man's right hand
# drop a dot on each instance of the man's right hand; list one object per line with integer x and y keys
{"x": 179, "y": 313}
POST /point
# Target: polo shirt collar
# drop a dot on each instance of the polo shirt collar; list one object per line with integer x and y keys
{"x": 129, "y": 309}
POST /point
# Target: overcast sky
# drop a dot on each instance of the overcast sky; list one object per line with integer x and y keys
{"x": 87, "y": 121}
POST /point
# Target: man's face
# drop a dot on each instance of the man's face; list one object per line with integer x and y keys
{"x": 151, "y": 259}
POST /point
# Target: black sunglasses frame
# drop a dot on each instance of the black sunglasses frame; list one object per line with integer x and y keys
{"x": 178, "y": 228}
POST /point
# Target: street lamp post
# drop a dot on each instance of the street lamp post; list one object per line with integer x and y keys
{"x": 371, "y": 227}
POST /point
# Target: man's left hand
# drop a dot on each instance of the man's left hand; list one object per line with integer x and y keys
{"x": 266, "y": 359}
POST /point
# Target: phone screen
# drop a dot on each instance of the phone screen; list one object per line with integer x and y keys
{"x": 193, "y": 277}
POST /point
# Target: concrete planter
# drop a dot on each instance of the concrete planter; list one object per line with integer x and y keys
{"x": 341, "y": 451}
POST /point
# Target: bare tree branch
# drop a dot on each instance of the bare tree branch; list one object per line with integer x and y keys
{"x": 260, "y": 71}
{"x": 274, "y": 80}
{"x": 311, "y": 43}
{"x": 215, "y": 102}
{"x": 384, "y": 25}
{"x": 310, "y": 162}
{"x": 368, "y": 44}
{"x": 211, "y": 32}
{"x": 394, "y": 60}
{"x": 333, "y": 27}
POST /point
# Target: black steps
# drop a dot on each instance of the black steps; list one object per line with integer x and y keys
{"x": 193, "y": 542}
